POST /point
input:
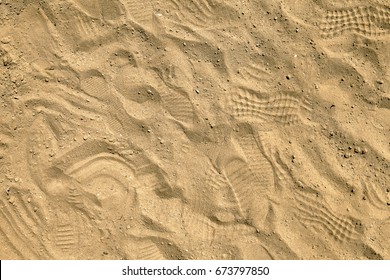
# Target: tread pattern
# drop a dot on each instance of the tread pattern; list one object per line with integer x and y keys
{"x": 198, "y": 226}
{"x": 371, "y": 21}
{"x": 218, "y": 195}
{"x": 150, "y": 251}
{"x": 252, "y": 198}
{"x": 179, "y": 107}
{"x": 283, "y": 108}
{"x": 283, "y": 179}
{"x": 196, "y": 12}
{"x": 317, "y": 216}
{"x": 140, "y": 11}
{"x": 66, "y": 237}
{"x": 21, "y": 225}
{"x": 377, "y": 197}
{"x": 258, "y": 164}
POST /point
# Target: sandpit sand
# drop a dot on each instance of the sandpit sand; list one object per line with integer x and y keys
{"x": 194, "y": 129}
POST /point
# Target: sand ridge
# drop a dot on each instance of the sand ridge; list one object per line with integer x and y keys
{"x": 200, "y": 129}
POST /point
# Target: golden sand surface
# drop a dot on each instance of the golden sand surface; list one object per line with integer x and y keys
{"x": 194, "y": 129}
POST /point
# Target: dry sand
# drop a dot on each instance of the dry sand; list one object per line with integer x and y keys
{"x": 194, "y": 129}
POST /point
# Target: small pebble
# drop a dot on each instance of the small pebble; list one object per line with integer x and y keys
{"x": 11, "y": 199}
{"x": 347, "y": 155}
{"x": 5, "y": 40}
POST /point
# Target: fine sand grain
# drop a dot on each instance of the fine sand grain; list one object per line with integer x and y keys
{"x": 194, "y": 129}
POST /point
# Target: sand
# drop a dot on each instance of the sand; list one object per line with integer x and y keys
{"x": 194, "y": 129}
